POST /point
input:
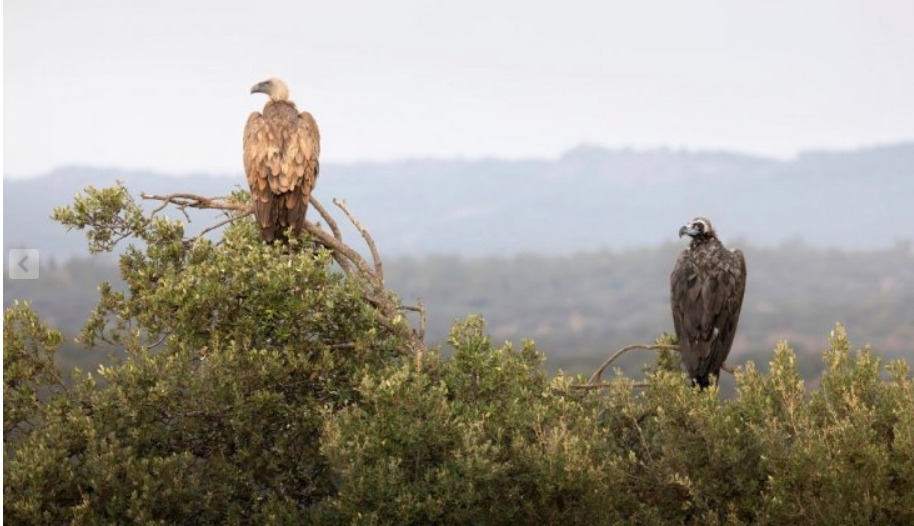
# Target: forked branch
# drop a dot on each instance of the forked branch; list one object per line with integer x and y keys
{"x": 369, "y": 276}
{"x": 182, "y": 201}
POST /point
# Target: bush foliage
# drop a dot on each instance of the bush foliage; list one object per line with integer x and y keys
{"x": 259, "y": 387}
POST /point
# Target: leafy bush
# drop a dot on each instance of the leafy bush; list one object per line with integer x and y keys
{"x": 259, "y": 385}
{"x": 234, "y": 352}
{"x": 484, "y": 437}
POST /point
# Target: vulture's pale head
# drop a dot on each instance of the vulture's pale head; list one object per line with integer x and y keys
{"x": 275, "y": 88}
{"x": 698, "y": 229}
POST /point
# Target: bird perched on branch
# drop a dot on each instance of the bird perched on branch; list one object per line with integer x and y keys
{"x": 707, "y": 286}
{"x": 281, "y": 149}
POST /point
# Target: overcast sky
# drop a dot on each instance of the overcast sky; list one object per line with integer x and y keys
{"x": 165, "y": 84}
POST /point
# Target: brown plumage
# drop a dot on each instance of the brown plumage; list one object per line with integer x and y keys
{"x": 707, "y": 287}
{"x": 281, "y": 149}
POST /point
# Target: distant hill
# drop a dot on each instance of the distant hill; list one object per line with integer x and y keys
{"x": 580, "y": 307}
{"x": 589, "y": 199}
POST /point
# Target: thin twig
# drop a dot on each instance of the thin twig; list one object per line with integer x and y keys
{"x": 423, "y": 319}
{"x": 348, "y": 254}
{"x": 419, "y": 308}
{"x": 606, "y": 385}
{"x": 158, "y": 342}
{"x": 379, "y": 271}
{"x": 231, "y": 219}
{"x": 121, "y": 237}
{"x": 157, "y": 209}
{"x": 327, "y": 219}
{"x": 341, "y": 260}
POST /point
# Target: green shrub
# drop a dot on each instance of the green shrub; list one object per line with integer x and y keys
{"x": 260, "y": 386}
{"x": 234, "y": 353}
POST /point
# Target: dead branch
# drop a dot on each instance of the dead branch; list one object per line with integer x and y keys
{"x": 595, "y": 377}
{"x": 594, "y": 382}
{"x": 185, "y": 200}
{"x": 341, "y": 250}
{"x": 327, "y": 218}
{"x": 230, "y": 219}
{"x": 343, "y": 262}
{"x": 606, "y": 385}
{"x": 158, "y": 342}
{"x": 369, "y": 276}
{"x": 419, "y": 308}
{"x": 379, "y": 271}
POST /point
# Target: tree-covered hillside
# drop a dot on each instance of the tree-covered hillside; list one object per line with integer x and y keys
{"x": 579, "y": 308}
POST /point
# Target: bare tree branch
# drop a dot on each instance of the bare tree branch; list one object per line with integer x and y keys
{"x": 369, "y": 276}
{"x": 231, "y": 219}
{"x": 419, "y": 308}
{"x": 379, "y": 271}
{"x": 420, "y": 332}
{"x": 327, "y": 218}
{"x": 158, "y": 342}
{"x": 331, "y": 222}
{"x": 185, "y": 200}
{"x": 606, "y": 385}
{"x": 594, "y": 382}
{"x": 595, "y": 377}
{"x": 341, "y": 249}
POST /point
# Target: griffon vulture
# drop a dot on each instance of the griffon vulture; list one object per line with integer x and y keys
{"x": 707, "y": 286}
{"x": 281, "y": 148}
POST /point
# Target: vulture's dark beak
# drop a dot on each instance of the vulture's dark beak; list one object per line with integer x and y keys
{"x": 686, "y": 229}
{"x": 261, "y": 87}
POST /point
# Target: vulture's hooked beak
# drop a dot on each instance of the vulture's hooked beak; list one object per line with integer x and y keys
{"x": 687, "y": 229}
{"x": 261, "y": 87}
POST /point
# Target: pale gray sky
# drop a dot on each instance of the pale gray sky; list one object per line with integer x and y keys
{"x": 164, "y": 84}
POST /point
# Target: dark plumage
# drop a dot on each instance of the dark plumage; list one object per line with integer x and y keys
{"x": 281, "y": 149}
{"x": 706, "y": 294}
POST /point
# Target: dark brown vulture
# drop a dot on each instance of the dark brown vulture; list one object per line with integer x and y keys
{"x": 707, "y": 286}
{"x": 281, "y": 148}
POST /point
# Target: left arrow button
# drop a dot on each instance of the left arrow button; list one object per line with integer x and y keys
{"x": 24, "y": 263}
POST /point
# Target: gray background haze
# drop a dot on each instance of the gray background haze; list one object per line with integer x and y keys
{"x": 163, "y": 85}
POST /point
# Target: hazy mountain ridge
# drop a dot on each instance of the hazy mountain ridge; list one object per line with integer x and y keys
{"x": 591, "y": 198}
